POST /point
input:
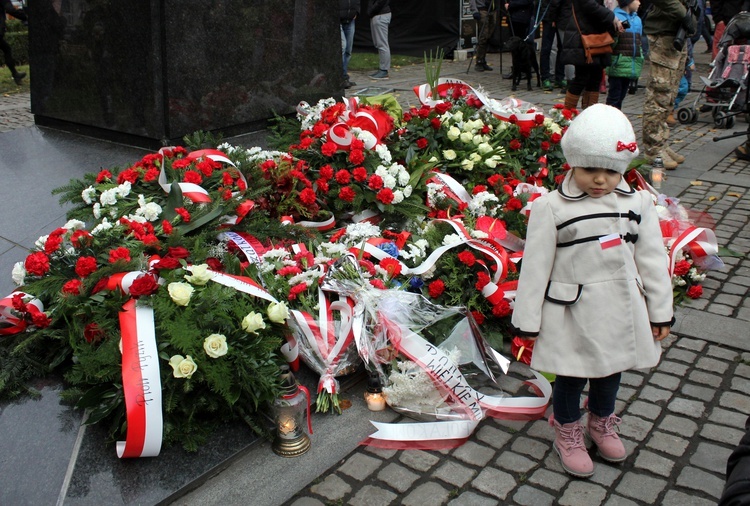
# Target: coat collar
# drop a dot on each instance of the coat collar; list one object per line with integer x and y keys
{"x": 569, "y": 190}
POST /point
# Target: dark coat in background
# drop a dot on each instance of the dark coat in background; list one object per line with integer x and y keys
{"x": 593, "y": 17}
{"x": 348, "y": 9}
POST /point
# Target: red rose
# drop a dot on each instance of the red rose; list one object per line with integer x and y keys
{"x": 424, "y": 112}
{"x": 494, "y": 179}
{"x": 145, "y": 284}
{"x": 436, "y": 288}
{"x": 72, "y": 287}
{"x": 375, "y": 182}
{"x": 85, "y": 266}
{"x": 555, "y": 138}
{"x": 681, "y": 268}
{"x": 360, "y": 174}
{"x": 356, "y": 156}
{"x": 525, "y": 131}
{"x": 178, "y": 252}
{"x": 347, "y": 194}
{"x": 545, "y": 146}
{"x": 391, "y": 266}
{"x": 539, "y": 119}
{"x": 214, "y": 264}
{"x": 385, "y": 196}
{"x": 121, "y": 253}
{"x": 329, "y": 148}
{"x": 307, "y": 196}
{"x": 92, "y": 333}
{"x": 443, "y": 107}
{"x": 37, "y": 264}
{"x": 515, "y": 145}
{"x": 422, "y": 143}
{"x": 343, "y": 177}
{"x": 435, "y": 123}
{"x": 467, "y": 258}
{"x": 695, "y": 291}
{"x": 168, "y": 262}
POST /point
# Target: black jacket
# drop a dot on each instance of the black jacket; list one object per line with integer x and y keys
{"x": 521, "y": 11}
{"x": 348, "y": 9}
{"x": 7, "y": 6}
{"x": 724, "y": 10}
{"x": 377, "y": 7}
{"x": 593, "y": 17}
{"x": 737, "y": 488}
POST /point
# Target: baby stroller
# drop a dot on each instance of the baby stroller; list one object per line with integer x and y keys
{"x": 725, "y": 89}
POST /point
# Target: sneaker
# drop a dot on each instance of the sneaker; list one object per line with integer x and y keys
{"x": 562, "y": 84}
{"x": 547, "y": 85}
{"x": 569, "y": 445}
{"x": 380, "y": 75}
{"x": 18, "y": 77}
{"x": 601, "y": 430}
{"x": 742, "y": 153}
{"x": 674, "y": 155}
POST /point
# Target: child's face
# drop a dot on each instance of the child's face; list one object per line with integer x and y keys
{"x": 595, "y": 181}
{"x": 633, "y": 6}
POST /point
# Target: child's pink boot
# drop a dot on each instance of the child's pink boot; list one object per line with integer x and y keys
{"x": 602, "y": 432}
{"x": 569, "y": 445}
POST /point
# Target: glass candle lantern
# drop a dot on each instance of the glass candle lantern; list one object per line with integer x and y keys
{"x": 289, "y": 411}
{"x": 374, "y": 394}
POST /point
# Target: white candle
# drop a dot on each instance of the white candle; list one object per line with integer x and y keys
{"x": 657, "y": 176}
{"x": 375, "y": 401}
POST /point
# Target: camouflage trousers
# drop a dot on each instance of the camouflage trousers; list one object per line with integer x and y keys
{"x": 667, "y": 68}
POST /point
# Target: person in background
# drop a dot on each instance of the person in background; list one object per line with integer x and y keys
{"x": 549, "y": 37}
{"x": 721, "y": 12}
{"x": 664, "y": 20}
{"x": 520, "y": 13}
{"x": 348, "y": 11}
{"x": 594, "y": 291}
{"x": 4, "y": 46}
{"x": 485, "y": 12}
{"x": 737, "y": 487}
{"x": 627, "y": 55}
{"x": 379, "y": 12}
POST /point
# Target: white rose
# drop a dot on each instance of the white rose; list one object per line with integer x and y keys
{"x": 467, "y": 164}
{"x": 453, "y": 133}
{"x": 458, "y": 117}
{"x": 215, "y": 345}
{"x": 466, "y": 137}
{"x": 180, "y": 293}
{"x": 253, "y": 322}
{"x": 433, "y": 159}
{"x": 18, "y": 274}
{"x": 182, "y": 367}
{"x": 449, "y": 154}
{"x": 491, "y": 163}
{"x": 200, "y": 274}
{"x": 478, "y": 139}
{"x": 484, "y": 148}
{"x": 278, "y": 312}
{"x": 475, "y": 157}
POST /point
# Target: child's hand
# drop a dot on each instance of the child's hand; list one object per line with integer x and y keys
{"x": 660, "y": 332}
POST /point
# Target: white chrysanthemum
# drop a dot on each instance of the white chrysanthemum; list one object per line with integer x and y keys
{"x": 435, "y": 194}
{"x": 150, "y": 211}
{"x": 695, "y": 276}
{"x": 108, "y": 197}
{"x": 332, "y": 249}
{"x": 275, "y": 254}
{"x": 136, "y": 218}
{"x": 101, "y": 227}
{"x": 18, "y": 273}
{"x": 384, "y": 153}
{"x": 479, "y": 234}
{"x": 74, "y": 225}
{"x": 452, "y": 239}
{"x": 88, "y": 195}
{"x": 362, "y": 230}
{"x": 309, "y": 277}
{"x": 123, "y": 190}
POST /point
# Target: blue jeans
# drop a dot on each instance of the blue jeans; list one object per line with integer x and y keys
{"x": 379, "y": 30}
{"x": 618, "y": 90}
{"x": 549, "y": 35}
{"x": 566, "y": 397}
{"x": 347, "y": 43}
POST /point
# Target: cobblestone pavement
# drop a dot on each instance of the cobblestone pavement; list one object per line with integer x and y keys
{"x": 680, "y": 420}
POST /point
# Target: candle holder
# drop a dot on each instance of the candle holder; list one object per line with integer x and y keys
{"x": 657, "y": 176}
{"x": 289, "y": 411}
{"x": 374, "y": 394}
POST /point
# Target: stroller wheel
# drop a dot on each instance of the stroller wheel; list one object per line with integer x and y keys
{"x": 720, "y": 120}
{"x": 685, "y": 115}
{"x": 730, "y": 121}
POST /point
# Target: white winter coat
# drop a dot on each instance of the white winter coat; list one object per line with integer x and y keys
{"x": 592, "y": 307}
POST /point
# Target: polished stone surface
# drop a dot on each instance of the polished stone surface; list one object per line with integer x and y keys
{"x": 164, "y": 69}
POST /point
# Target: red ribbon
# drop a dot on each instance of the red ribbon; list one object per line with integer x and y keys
{"x": 621, "y": 146}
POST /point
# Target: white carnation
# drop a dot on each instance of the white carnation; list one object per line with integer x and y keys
{"x": 101, "y": 227}
{"x": 452, "y": 239}
{"x": 88, "y": 195}
{"x": 18, "y": 274}
{"x": 150, "y": 211}
{"x": 74, "y": 225}
{"x": 108, "y": 197}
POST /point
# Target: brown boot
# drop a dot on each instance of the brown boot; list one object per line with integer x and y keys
{"x": 571, "y": 101}
{"x": 671, "y": 120}
{"x": 674, "y": 155}
{"x": 589, "y": 98}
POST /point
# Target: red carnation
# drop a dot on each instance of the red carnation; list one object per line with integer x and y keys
{"x": 38, "y": 318}
{"x": 167, "y": 227}
{"x": 192, "y": 176}
{"x": 184, "y": 214}
{"x": 478, "y": 317}
{"x": 144, "y": 284}
{"x": 37, "y": 264}
{"x": 121, "y": 253}
{"x": 52, "y": 243}
{"x": 347, "y": 194}
{"x": 695, "y": 291}
{"x": 478, "y": 189}
{"x": 514, "y": 204}
{"x": 681, "y": 268}
{"x": 482, "y": 279}
{"x": 501, "y": 309}
{"x": 343, "y": 177}
{"x": 360, "y": 174}
{"x": 92, "y": 333}
{"x": 307, "y": 196}
{"x": 18, "y": 303}
{"x": 329, "y": 148}
{"x": 385, "y": 196}
{"x": 103, "y": 175}
{"x": 326, "y": 172}
{"x": 515, "y": 145}
{"x": 375, "y": 182}
{"x": 85, "y": 266}
{"x": 422, "y": 143}
{"x": 467, "y": 258}
{"x": 151, "y": 175}
{"x": 356, "y": 156}
{"x": 81, "y": 238}
{"x": 296, "y": 290}
{"x": 436, "y": 288}
{"x": 181, "y": 164}
{"x": 130, "y": 175}
{"x": 207, "y": 166}
{"x": 72, "y": 287}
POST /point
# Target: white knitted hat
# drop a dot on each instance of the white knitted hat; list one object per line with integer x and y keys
{"x": 601, "y": 136}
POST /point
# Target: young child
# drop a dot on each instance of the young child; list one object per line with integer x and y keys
{"x": 627, "y": 54}
{"x": 594, "y": 288}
